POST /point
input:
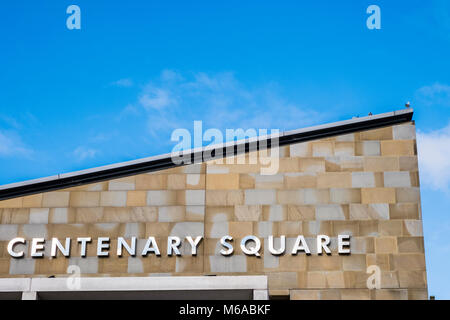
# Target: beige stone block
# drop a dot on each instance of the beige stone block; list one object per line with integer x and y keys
{"x": 354, "y": 262}
{"x": 122, "y": 184}
{"x": 368, "y": 228}
{"x": 408, "y": 163}
{"x": 219, "y": 213}
{"x": 136, "y": 198}
{"x": 33, "y": 201}
{"x": 377, "y": 134}
{"x": 224, "y": 198}
{"x": 84, "y": 199}
{"x": 176, "y": 181}
{"x": 408, "y": 195}
{"x": 391, "y": 294}
{"x": 368, "y": 148}
{"x": 378, "y": 195}
{"x": 413, "y": 279}
{"x": 398, "y": 148}
{"x": 290, "y": 228}
{"x": 158, "y": 229}
{"x": 386, "y": 245}
{"x": 404, "y": 132}
{"x": 413, "y": 228}
{"x": 171, "y": 213}
{"x": 4, "y": 265}
{"x": 334, "y": 180}
{"x": 312, "y": 165}
{"x": 228, "y": 181}
{"x": 383, "y": 261}
{"x": 344, "y": 149}
{"x": 316, "y": 280}
{"x": 15, "y": 216}
{"x": 274, "y": 213}
{"x": 151, "y": 182}
{"x": 195, "y": 213}
{"x": 161, "y": 197}
{"x": 195, "y": 181}
{"x": 46, "y": 266}
{"x": 322, "y": 148}
{"x": 410, "y": 244}
{"x": 12, "y": 203}
{"x": 404, "y": 211}
{"x": 189, "y": 264}
{"x": 355, "y": 294}
{"x": 88, "y": 215}
{"x": 418, "y": 294}
{"x": 414, "y": 178}
{"x": 316, "y": 196}
{"x": 304, "y": 294}
{"x": 329, "y": 212}
{"x": 380, "y": 164}
{"x": 343, "y": 196}
{"x": 248, "y": 212}
{"x": 142, "y": 214}
{"x": 275, "y": 181}
{"x": 373, "y": 211}
{"x": 282, "y": 280}
{"x": 301, "y": 212}
{"x": 39, "y": 215}
{"x": 345, "y": 227}
{"x": 260, "y": 197}
{"x": 69, "y": 230}
{"x": 288, "y": 165}
{"x": 362, "y": 245}
{"x": 303, "y": 149}
{"x": 62, "y": 215}
{"x": 113, "y": 198}
{"x": 241, "y": 229}
{"x": 217, "y": 230}
{"x": 290, "y": 196}
{"x": 246, "y": 181}
{"x": 56, "y": 199}
{"x": 409, "y": 262}
{"x": 324, "y": 263}
{"x": 390, "y": 228}
{"x": 194, "y": 197}
{"x": 363, "y": 180}
{"x": 300, "y": 180}
{"x": 313, "y": 228}
{"x": 350, "y": 164}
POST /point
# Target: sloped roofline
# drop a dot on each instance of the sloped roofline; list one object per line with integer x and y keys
{"x": 160, "y": 162}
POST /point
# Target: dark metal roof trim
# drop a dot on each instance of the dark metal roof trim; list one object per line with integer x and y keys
{"x": 162, "y": 162}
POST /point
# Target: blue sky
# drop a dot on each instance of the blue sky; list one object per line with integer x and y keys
{"x": 116, "y": 89}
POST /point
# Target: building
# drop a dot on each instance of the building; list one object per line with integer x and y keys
{"x": 345, "y": 196}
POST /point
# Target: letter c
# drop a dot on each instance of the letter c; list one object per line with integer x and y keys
{"x": 11, "y": 245}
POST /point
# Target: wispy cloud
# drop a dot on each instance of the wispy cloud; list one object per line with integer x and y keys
{"x": 12, "y": 145}
{"x": 82, "y": 153}
{"x": 220, "y": 100}
{"x": 434, "y": 160}
{"x": 436, "y": 94}
{"x": 126, "y": 83}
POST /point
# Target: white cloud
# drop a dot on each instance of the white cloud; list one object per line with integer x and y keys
{"x": 156, "y": 98}
{"x": 82, "y": 153}
{"x": 435, "y": 94}
{"x": 123, "y": 83}
{"x": 11, "y": 145}
{"x": 434, "y": 158}
{"x": 221, "y": 101}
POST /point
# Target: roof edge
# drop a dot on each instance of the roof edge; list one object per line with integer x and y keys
{"x": 164, "y": 161}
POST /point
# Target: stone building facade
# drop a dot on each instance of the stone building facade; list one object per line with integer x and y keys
{"x": 363, "y": 183}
